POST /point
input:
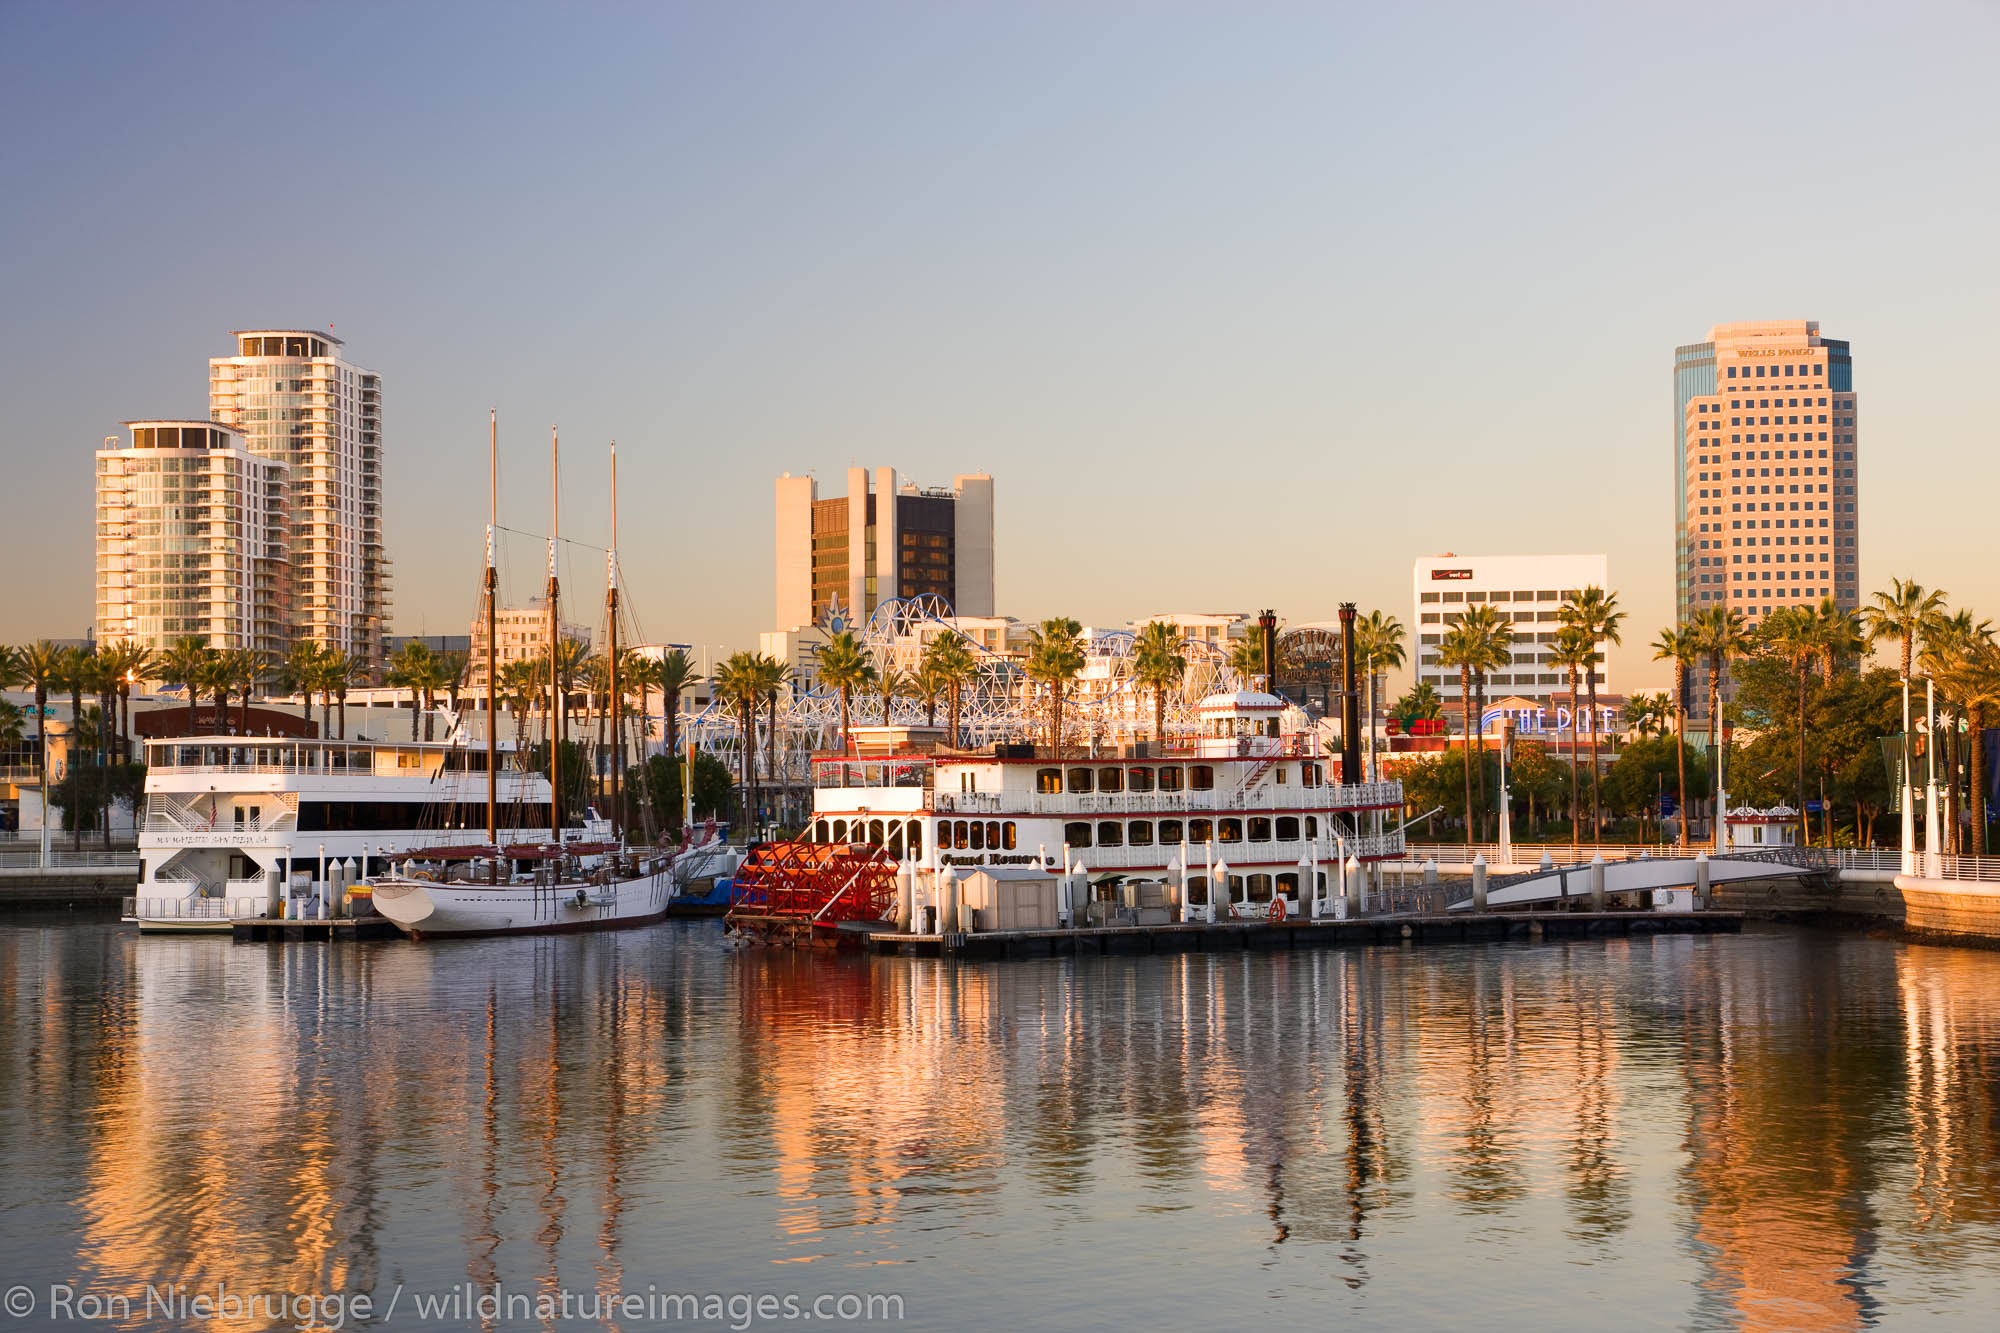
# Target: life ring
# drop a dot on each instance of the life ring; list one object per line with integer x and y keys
{"x": 425, "y": 875}
{"x": 1276, "y": 911}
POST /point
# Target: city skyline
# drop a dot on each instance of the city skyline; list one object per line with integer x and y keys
{"x": 1205, "y": 300}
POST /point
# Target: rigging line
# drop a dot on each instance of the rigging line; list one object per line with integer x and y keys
{"x": 543, "y": 537}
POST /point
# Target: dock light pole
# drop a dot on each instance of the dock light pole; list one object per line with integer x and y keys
{"x": 1909, "y": 829}
{"x": 1933, "y": 828}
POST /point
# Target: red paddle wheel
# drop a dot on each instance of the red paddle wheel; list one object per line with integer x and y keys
{"x": 801, "y": 892}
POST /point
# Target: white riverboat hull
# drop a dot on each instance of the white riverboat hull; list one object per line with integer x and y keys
{"x": 425, "y": 909}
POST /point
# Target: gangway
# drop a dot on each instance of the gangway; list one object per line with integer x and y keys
{"x": 1643, "y": 874}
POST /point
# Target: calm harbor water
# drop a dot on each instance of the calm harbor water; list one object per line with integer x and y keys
{"x": 1785, "y": 1129}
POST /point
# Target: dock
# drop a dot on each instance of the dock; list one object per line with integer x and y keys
{"x": 1262, "y": 937}
{"x": 276, "y": 930}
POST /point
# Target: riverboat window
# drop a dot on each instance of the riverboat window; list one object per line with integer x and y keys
{"x": 1048, "y": 781}
{"x": 1197, "y": 890}
{"x": 1231, "y": 831}
{"x": 978, "y": 843}
{"x": 992, "y": 835}
{"x": 874, "y": 833}
{"x": 1139, "y": 779}
{"x": 1110, "y": 779}
{"x": 961, "y": 835}
{"x": 1281, "y": 774}
{"x": 1309, "y": 775}
{"x": 1110, "y": 833}
{"x": 1170, "y": 779}
{"x": 840, "y": 830}
{"x": 896, "y": 839}
{"x": 1076, "y": 835}
{"x": 1007, "y": 836}
{"x": 1260, "y": 888}
{"x": 1288, "y": 828}
{"x": 1200, "y": 830}
{"x": 1260, "y": 828}
{"x": 1170, "y": 830}
{"x": 1201, "y": 778}
{"x": 1140, "y": 833}
{"x": 916, "y": 838}
{"x": 1079, "y": 779}
{"x": 1288, "y": 885}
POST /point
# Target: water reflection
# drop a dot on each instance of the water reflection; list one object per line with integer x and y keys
{"x": 1784, "y": 1130}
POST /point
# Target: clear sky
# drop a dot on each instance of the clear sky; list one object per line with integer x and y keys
{"x": 1242, "y": 305}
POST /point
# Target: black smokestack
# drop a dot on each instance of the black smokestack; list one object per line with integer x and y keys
{"x": 1350, "y": 701}
{"x": 1267, "y": 627}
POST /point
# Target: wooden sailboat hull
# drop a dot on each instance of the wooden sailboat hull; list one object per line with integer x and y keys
{"x": 425, "y": 909}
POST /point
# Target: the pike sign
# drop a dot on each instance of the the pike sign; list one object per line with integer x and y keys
{"x": 1543, "y": 722}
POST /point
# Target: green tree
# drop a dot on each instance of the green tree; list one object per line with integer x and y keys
{"x": 949, "y": 659}
{"x": 184, "y": 664}
{"x": 1495, "y": 635}
{"x": 740, "y": 684}
{"x": 1461, "y": 646}
{"x": 413, "y": 668}
{"x": 1419, "y": 703}
{"x": 1379, "y": 649}
{"x": 1722, "y": 637}
{"x": 301, "y": 671}
{"x": 1055, "y": 658}
{"x": 1595, "y": 612}
{"x": 1680, "y": 647}
{"x": 1159, "y": 664}
{"x": 845, "y": 666}
{"x": 1574, "y": 651}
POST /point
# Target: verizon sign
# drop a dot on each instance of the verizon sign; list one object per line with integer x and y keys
{"x": 1439, "y": 575}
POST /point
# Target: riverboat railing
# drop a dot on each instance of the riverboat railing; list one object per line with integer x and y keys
{"x": 1360, "y": 796}
{"x": 195, "y": 909}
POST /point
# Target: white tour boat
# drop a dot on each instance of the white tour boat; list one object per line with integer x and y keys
{"x": 260, "y": 826}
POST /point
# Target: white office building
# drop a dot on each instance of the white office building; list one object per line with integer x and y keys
{"x": 1528, "y": 589}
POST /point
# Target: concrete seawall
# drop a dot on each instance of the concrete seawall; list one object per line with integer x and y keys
{"x": 66, "y": 886}
{"x": 1953, "y": 908}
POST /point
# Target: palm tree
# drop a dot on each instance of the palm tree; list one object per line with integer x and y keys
{"x": 1461, "y": 647}
{"x": 927, "y": 686}
{"x": 1679, "y": 647}
{"x": 892, "y": 685}
{"x": 1940, "y": 657}
{"x": 844, "y": 664}
{"x": 772, "y": 676}
{"x": 1721, "y": 636}
{"x": 183, "y": 665}
{"x": 340, "y": 671}
{"x": 410, "y": 669}
{"x": 1596, "y": 612}
{"x": 1159, "y": 664}
{"x": 953, "y": 663}
{"x": 1905, "y": 613}
{"x": 1379, "y": 642}
{"x": 1574, "y": 651}
{"x": 571, "y": 655}
{"x": 246, "y": 670}
{"x": 1975, "y": 677}
{"x": 300, "y": 671}
{"x": 1495, "y": 634}
{"x": 520, "y": 686}
{"x": 131, "y": 662}
{"x": 1792, "y": 633}
{"x": 676, "y": 673}
{"x": 1246, "y": 659}
{"x": 1055, "y": 658}
{"x": 740, "y": 682}
{"x": 218, "y": 681}
{"x": 40, "y": 665}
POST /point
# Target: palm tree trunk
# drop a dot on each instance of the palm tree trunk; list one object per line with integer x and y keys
{"x": 1596, "y": 800}
{"x": 1479, "y": 701}
{"x": 1681, "y": 754}
{"x": 1160, "y": 718}
{"x": 1715, "y": 793}
{"x": 1805, "y": 826}
{"x": 1374, "y": 764}
{"x": 1465, "y": 750}
{"x": 1978, "y": 780}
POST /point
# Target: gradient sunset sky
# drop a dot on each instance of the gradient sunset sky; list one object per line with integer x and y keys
{"x": 1242, "y": 306}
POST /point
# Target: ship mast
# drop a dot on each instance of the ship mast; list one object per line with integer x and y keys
{"x": 556, "y": 719}
{"x": 492, "y": 630}
{"x": 611, "y": 650}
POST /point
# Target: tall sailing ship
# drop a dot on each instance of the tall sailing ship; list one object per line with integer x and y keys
{"x": 500, "y": 887}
